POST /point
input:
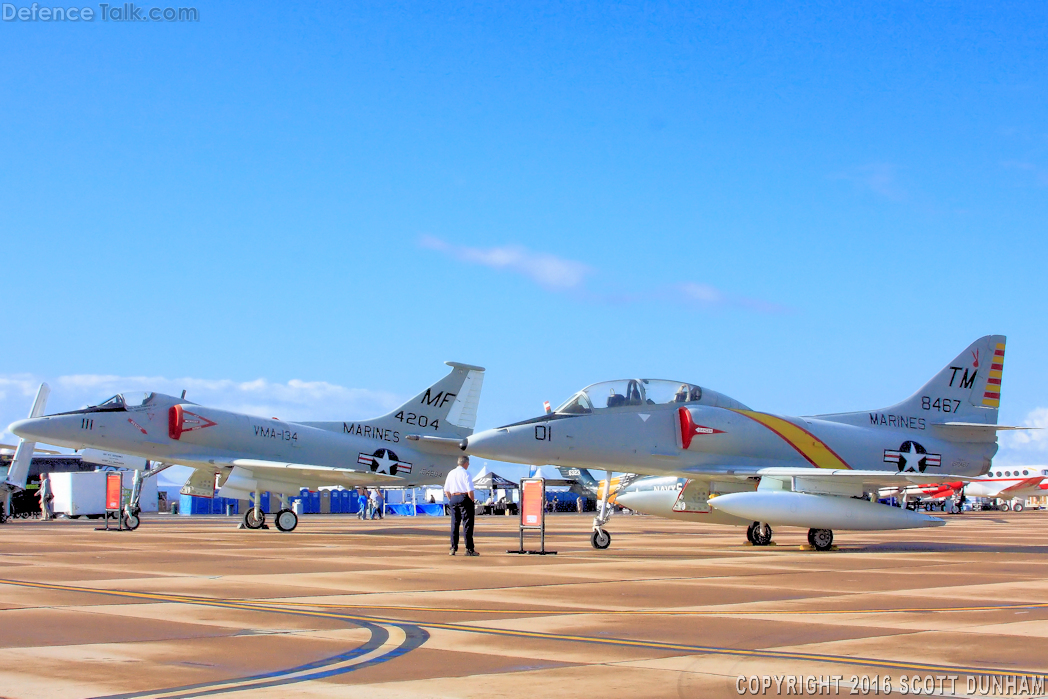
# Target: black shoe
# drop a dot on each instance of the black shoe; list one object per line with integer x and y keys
{"x": 471, "y": 552}
{"x": 452, "y": 552}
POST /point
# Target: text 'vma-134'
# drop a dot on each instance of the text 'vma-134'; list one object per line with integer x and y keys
{"x": 240, "y": 456}
{"x": 761, "y": 470}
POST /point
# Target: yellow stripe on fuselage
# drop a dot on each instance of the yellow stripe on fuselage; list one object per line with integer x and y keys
{"x": 808, "y": 445}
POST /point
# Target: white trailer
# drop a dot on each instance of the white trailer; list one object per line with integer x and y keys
{"x": 79, "y": 494}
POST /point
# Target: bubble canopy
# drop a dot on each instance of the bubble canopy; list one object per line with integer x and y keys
{"x": 629, "y": 392}
{"x": 123, "y": 401}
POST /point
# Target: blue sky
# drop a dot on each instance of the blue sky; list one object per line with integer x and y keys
{"x": 809, "y": 207}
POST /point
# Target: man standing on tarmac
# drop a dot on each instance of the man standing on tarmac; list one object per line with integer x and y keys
{"x": 46, "y": 497}
{"x": 458, "y": 489}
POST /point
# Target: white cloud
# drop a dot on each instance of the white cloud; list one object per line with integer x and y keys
{"x": 558, "y": 274}
{"x": 546, "y": 270}
{"x": 707, "y": 296}
{"x": 294, "y": 400}
{"x": 701, "y": 293}
{"x": 879, "y": 178}
{"x": 1029, "y": 440}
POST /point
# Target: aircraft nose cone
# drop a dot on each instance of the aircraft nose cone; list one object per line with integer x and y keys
{"x": 493, "y": 444}
{"x": 32, "y": 429}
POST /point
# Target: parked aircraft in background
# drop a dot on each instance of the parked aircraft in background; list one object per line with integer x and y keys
{"x": 239, "y": 456}
{"x": 1009, "y": 485}
{"x": 772, "y": 470}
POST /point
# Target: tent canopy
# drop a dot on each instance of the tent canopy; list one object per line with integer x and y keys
{"x": 489, "y": 480}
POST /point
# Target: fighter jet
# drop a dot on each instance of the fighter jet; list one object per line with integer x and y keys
{"x": 238, "y": 455}
{"x": 770, "y": 470}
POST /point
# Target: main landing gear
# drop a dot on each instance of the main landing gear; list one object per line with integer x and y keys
{"x": 255, "y": 518}
{"x": 601, "y": 539}
{"x": 285, "y": 519}
{"x": 820, "y": 539}
{"x": 759, "y": 533}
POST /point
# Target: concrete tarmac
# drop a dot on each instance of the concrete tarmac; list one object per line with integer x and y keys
{"x": 191, "y": 606}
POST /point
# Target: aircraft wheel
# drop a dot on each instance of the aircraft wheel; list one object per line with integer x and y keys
{"x": 1018, "y": 507}
{"x": 254, "y": 518}
{"x": 749, "y": 531}
{"x": 131, "y": 521}
{"x": 600, "y": 539}
{"x": 821, "y": 539}
{"x": 762, "y": 538}
{"x": 286, "y": 520}
{"x": 1005, "y": 507}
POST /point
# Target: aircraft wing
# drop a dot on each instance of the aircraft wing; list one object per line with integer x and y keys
{"x": 878, "y": 478}
{"x": 1025, "y": 484}
{"x": 301, "y": 473}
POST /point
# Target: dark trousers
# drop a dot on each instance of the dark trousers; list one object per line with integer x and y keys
{"x": 462, "y": 512}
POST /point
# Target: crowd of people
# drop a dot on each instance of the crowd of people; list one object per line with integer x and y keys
{"x": 371, "y": 503}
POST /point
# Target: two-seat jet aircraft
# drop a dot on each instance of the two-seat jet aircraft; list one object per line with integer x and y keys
{"x": 239, "y": 456}
{"x": 764, "y": 470}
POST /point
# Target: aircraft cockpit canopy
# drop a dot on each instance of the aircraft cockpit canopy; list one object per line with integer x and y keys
{"x": 627, "y": 392}
{"x": 123, "y": 401}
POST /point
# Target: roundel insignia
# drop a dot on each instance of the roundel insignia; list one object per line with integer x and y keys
{"x": 384, "y": 461}
{"x": 911, "y": 456}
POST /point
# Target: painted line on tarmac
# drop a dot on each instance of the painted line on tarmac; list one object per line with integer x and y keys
{"x": 389, "y": 640}
{"x": 672, "y": 612}
{"x": 386, "y": 643}
{"x": 690, "y": 649}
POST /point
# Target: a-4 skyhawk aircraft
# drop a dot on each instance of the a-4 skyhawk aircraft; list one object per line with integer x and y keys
{"x": 766, "y": 470}
{"x": 238, "y": 455}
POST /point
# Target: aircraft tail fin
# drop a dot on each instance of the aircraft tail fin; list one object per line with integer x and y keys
{"x": 968, "y": 389}
{"x": 583, "y": 476}
{"x": 960, "y": 402}
{"x": 448, "y": 408}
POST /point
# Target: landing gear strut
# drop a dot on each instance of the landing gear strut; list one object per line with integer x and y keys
{"x": 820, "y": 539}
{"x": 759, "y": 534}
{"x": 601, "y": 539}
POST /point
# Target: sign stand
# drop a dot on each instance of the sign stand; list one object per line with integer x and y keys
{"x": 114, "y": 501}
{"x": 533, "y": 513}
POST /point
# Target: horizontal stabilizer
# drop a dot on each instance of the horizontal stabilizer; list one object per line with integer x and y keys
{"x": 981, "y": 426}
{"x": 436, "y": 445}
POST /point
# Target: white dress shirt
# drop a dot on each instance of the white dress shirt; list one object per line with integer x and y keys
{"x": 458, "y": 481}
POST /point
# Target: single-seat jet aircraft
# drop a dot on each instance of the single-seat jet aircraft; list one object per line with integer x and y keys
{"x": 239, "y": 456}
{"x": 761, "y": 470}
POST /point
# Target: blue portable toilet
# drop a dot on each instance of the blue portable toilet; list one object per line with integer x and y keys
{"x": 314, "y": 503}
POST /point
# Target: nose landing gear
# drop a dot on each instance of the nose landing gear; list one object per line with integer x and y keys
{"x": 601, "y": 539}
{"x": 759, "y": 534}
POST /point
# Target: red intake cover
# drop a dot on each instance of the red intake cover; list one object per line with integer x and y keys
{"x": 175, "y": 420}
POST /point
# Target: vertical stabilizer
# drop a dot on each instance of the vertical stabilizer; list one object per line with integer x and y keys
{"x": 968, "y": 389}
